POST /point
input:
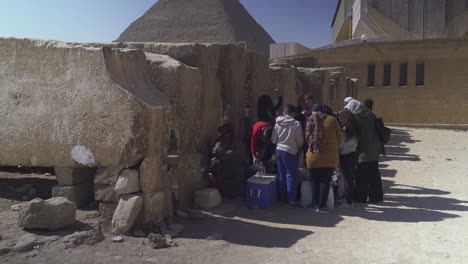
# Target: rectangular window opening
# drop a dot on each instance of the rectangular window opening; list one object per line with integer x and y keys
{"x": 371, "y": 75}
{"x": 404, "y": 74}
{"x": 420, "y": 74}
{"x": 387, "y": 75}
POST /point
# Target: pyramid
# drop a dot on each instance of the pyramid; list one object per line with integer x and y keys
{"x": 198, "y": 21}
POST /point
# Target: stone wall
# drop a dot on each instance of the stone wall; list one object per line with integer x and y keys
{"x": 149, "y": 108}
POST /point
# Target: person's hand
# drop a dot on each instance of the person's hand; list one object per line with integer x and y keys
{"x": 254, "y": 159}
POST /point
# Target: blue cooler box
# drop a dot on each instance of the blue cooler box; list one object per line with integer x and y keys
{"x": 261, "y": 191}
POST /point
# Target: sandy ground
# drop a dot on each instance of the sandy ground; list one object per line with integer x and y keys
{"x": 424, "y": 219}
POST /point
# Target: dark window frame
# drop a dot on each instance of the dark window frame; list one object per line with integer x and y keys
{"x": 403, "y": 74}
{"x": 387, "y": 75}
{"x": 371, "y": 75}
{"x": 420, "y": 74}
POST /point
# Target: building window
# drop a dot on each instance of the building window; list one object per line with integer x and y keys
{"x": 404, "y": 74}
{"x": 371, "y": 75}
{"x": 420, "y": 74}
{"x": 387, "y": 75}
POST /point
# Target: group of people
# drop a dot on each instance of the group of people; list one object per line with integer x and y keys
{"x": 312, "y": 136}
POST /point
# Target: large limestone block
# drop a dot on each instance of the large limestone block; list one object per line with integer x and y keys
{"x": 153, "y": 205}
{"x": 81, "y": 194}
{"x": 75, "y": 105}
{"x": 151, "y": 174}
{"x": 128, "y": 182}
{"x": 73, "y": 176}
{"x": 107, "y": 175}
{"x": 105, "y": 193}
{"x": 52, "y": 214}
{"x": 207, "y": 198}
{"x": 190, "y": 177}
{"x": 126, "y": 213}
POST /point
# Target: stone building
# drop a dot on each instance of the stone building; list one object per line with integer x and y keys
{"x": 410, "y": 81}
{"x": 400, "y": 19}
{"x": 200, "y": 21}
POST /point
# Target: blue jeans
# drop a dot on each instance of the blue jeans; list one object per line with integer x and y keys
{"x": 288, "y": 175}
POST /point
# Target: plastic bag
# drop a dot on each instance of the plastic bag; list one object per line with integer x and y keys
{"x": 331, "y": 199}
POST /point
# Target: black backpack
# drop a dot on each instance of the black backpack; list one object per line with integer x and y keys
{"x": 383, "y": 131}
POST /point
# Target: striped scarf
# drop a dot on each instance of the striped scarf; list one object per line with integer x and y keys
{"x": 314, "y": 130}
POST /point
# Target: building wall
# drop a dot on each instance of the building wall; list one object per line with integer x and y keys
{"x": 442, "y": 99}
{"x": 278, "y": 50}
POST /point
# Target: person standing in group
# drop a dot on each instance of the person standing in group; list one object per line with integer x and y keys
{"x": 260, "y": 141}
{"x": 348, "y": 154}
{"x": 347, "y": 100}
{"x": 289, "y": 138}
{"x": 368, "y": 179}
{"x": 323, "y": 135}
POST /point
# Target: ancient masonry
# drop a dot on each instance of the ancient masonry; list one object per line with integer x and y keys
{"x": 133, "y": 122}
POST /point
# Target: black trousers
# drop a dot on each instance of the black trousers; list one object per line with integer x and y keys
{"x": 368, "y": 183}
{"x": 348, "y": 166}
{"x": 320, "y": 179}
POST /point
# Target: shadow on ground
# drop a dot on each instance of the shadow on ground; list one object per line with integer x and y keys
{"x": 405, "y": 203}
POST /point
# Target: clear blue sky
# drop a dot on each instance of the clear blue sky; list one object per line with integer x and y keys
{"x": 304, "y": 21}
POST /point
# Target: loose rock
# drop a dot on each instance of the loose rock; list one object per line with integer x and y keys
{"x": 90, "y": 237}
{"x": 52, "y": 214}
{"x": 207, "y": 198}
{"x": 128, "y": 182}
{"x": 17, "y": 207}
{"x": 126, "y": 213}
{"x": 159, "y": 241}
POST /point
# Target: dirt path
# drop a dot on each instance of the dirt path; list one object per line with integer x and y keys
{"x": 424, "y": 219}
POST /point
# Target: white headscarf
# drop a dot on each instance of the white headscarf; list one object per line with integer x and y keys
{"x": 353, "y": 105}
{"x": 348, "y": 99}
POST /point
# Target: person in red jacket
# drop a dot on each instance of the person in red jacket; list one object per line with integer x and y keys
{"x": 259, "y": 141}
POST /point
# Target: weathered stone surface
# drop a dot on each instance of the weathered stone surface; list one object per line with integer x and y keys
{"x": 73, "y": 176}
{"x": 126, "y": 213}
{"x": 128, "y": 182}
{"x": 189, "y": 178}
{"x": 201, "y": 21}
{"x": 105, "y": 193}
{"x": 207, "y": 198}
{"x": 52, "y": 214}
{"x": 107, "y": 175}
{"x": 81, "y": 194}
{"x": 97, "y": 109}
{"x": 151, "y": 173}
{"x": 153, "y": 205}
{"x": 106, "y": 210}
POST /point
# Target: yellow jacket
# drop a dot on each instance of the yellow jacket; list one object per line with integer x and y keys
{"x": 328, "y": 157}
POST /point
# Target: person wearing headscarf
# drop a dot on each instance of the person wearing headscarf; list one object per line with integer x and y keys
{"x": 223, "y": 165}
{"x": 323, "y": 135}
{"x": 266, "y": 110}
{"x": 348, "y": 153}
{"x": 302, "y": 114}
{"x": 347, "y": 100}
{"x": 368, "y": 178}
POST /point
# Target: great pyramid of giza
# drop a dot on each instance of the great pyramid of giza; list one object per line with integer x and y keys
{"x": 198, "y": 21}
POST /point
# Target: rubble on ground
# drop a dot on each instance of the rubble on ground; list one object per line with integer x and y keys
{"x": 52, "y": 214}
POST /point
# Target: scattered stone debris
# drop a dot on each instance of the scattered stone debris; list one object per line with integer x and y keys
{"x": 207, "y": 198}
{"x": 160, "y": 241}
{"x": 52, "y": 214}
{"x": 128, "y": 182}
{"x": 90, "y": 237}
{"x": 29, "y": 242}
{"x": 215, "y": 236}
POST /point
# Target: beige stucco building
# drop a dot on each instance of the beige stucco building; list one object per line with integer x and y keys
{"x": 410, "y": 81}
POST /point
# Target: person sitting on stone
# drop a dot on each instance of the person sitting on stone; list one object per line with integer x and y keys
{"x": 223, "y": 165}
